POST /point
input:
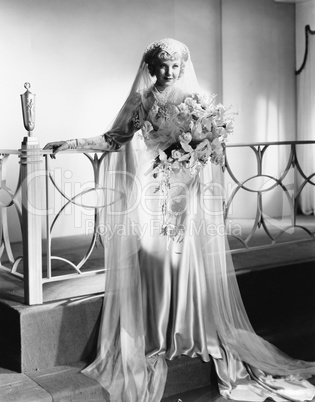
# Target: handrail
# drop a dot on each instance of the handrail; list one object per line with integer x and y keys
{"x": 267, "y": 143}
{"x": 292, "y": 192}
{"x": 36, "y": 162}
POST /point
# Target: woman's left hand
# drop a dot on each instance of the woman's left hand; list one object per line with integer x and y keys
{"x": 56, "y": 147}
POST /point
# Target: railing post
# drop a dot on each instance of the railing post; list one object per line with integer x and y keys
{"x": 30, "y": 160}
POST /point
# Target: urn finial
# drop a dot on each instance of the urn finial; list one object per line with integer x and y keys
{"x": 28, "y": 108}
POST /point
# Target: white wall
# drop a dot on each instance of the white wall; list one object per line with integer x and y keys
{"x": 258, "y": 42}
{"x": 258, "y": 67}
{"x": 81, "y": 56}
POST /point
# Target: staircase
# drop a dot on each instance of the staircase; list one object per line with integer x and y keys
{"x": 43, "y": 348}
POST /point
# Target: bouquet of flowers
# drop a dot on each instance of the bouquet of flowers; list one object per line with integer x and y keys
{"x": 197, "y": 130}
{"x": 202, "y": 129}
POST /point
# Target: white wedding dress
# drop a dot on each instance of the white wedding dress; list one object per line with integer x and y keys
{"x": 169, "y": 297}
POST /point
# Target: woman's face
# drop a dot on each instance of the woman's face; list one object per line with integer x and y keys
{"x": 167, "y": 72}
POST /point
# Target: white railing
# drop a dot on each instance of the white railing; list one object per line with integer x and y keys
{"x": 290, "y": 180}
{"x": 75, "y": 200}
{"x": 32, "y": 195}
{"x": 36, "y": 217}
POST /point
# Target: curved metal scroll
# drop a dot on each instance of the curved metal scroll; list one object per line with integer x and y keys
{"x": 307, "y": 32}
{"x": 96, "y": 163}
{"x": 260, "y": 221}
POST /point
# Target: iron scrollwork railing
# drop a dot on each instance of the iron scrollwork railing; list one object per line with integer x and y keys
{"x": 74, "y": 200}
{"x": 28, "y": 264}
{"x": 18, "y": 199}
{"x": 10, "y": 200}
{"x": 292, "y": 191}
{"x": 308, "y": 31}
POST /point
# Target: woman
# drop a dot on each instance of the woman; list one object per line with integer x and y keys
{"x": 171, "y": 288}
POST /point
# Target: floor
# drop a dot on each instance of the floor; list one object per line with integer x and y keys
{"x": 292, "y": 248}
{"x": 259, "y": 258}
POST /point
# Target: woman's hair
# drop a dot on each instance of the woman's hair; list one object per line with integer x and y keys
{"x": 166, "y": 49}
{"x": 164, "y": 56}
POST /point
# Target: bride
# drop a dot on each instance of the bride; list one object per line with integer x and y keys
{"x": 170, "y": 287}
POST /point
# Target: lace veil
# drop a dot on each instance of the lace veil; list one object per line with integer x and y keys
{"x": 121, "y": 365}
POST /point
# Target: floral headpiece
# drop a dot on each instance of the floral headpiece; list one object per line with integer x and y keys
{"x": 168, "y": 45}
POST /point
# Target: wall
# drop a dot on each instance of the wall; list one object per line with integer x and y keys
{"x": 81, "y": 56}
{"x": 258, "y": 67}
{"x": 258, "y": 42}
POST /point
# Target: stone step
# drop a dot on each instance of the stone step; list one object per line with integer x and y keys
{"x": 209, "y": 393}
{"x": 186, "y": 374}
{"x": 279, "y": 302}
{"x": 67, "y": 383}
{"x": 57, "y": 384}
{"x": 53, "y": 334}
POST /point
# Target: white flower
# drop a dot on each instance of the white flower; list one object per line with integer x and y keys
{"x": 186, "y": 147}
{"x": 162, "y": 155}
{"x": 220, "y": 108}
{"x": 198, "y": 112}
{"x": 185, "y": 137}
{"x": 189, "y": 101}
{"x": 216, "y": 145}
{"x": 184, "y": 157}
{"x": 176, "y": 154}
{"x": 192, "y": 160}
{"x": 229, "y": 127}
{"x": 183, "y": 110}
{"x": 197, "y": 131}
{"x": 146, "y": 128}
{"x": 207, "y": 124}
{"x": 202, "y": 145}
{"x": 217, "y": 159}
{"x": 221, "y": 132}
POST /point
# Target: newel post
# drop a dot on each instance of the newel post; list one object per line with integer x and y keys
{"x": 31, "y": 187}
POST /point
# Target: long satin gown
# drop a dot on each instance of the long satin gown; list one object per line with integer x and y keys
{"x": 169, "y": 297}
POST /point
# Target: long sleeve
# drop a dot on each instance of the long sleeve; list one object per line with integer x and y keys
{"x": 99, "y": 142}
{"x": 129, "y": 120}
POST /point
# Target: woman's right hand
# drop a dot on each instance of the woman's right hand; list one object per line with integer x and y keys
{"x": 56, "y": 147}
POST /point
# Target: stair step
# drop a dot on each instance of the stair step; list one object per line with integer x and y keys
{"x": 186, "y": 374}
{"x": 204, "y": 394}
{"x": 58, "y": 384}
{"x": 67, "y": 383}
{"x": 53, "y": 334}
{"x": 19, "y": 387}
{"x": 279, "y": 302}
